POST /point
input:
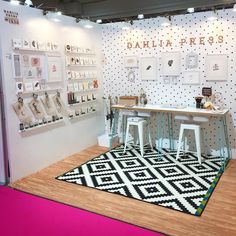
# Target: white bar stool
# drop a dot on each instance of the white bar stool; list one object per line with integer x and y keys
{"x": 197, "y": 132}
{"x": 138, "y": 122}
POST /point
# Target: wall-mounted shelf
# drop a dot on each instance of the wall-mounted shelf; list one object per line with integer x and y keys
{"x": 83, "y": 115}
{"x": 81, "y": 53}
{"x": 41, "y": 125}
{"x": 82, "y": 103}
{"x": 84, "y": 91}
{"x": 84, "y": 79}
{"x": 34, "y": 50}
{"x": 39, "y": 91}
{"x": 81, "y": 65}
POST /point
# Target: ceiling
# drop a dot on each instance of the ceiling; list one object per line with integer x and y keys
{"x": 116, "y": 10}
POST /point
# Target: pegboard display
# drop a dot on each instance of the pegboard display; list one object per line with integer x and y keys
{"x": 190, "y": 33}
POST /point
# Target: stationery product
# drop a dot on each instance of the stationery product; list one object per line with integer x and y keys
{"x": 36, "y": 85}
{"x": 36, "y": 108}
{"x": 17, "y": 43}
{"x": 22, "y": 112}
{"x": 48, "y": 105}
{"x": 198, "y": 101}
{"x": 26, "y": 44}
{"x": 128, "y": 100}
{"x": 19, "y": 87}
{"x": 28, "y": 87}
{"x": 76, "y": 87}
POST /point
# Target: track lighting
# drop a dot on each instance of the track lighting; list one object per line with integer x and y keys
{"x": 28, "y": 3}
{"x": 140, "y": 16}
{"x": 98, "y": 21}
{"x": 234, "y": 8}
{"x": 15, "y": 3}
{"x": 190, "y": 10}
{"x": 59, "y": 13}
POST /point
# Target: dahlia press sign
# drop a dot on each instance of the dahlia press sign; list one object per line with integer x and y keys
{"x": 11, "y": 17}
{"x": 210, "y": 40}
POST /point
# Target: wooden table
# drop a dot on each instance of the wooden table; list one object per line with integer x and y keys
{"x": 169, "y": 110}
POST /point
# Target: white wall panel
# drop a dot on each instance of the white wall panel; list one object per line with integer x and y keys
{"x": 168, "y": 91}
{"x": 34, "y": 150}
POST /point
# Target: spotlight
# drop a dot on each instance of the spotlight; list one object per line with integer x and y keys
{"x": 190, "y": 10}
{"x": 28, "y": 3}
{"x": 140, "y": 16}
{"x": 15, "y": 3}
{"x": 125, "y": 25}
{"x": 234, "y": 8}
{"x": 98, "y": 21}
{"x": 166, "y": 21}
{"x": 59, "y": 13}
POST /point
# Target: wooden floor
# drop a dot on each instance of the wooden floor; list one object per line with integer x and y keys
{"x": 219, "y": 217}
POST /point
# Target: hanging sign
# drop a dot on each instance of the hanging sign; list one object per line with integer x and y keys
{"x": 11, "y": 17}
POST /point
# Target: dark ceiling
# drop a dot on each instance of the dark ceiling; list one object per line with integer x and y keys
{"x": 114, "y": 10}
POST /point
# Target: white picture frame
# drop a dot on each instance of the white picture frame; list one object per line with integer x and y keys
{"x": 191, "y": 60}
{"x": 171, "y": 63}
{"x": 54, "y": 68}
{"x": 216, "y": 67}
{"x": 191, "y": 78}
{"x": 148, "y": 68}
{"x": 131, "y": 61}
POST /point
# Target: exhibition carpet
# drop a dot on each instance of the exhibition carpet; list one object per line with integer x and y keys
{"x": 22, "y": 214}
{"x": 156, "y": 178}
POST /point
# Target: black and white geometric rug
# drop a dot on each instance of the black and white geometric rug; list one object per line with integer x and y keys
{"x": 183, "y": 185}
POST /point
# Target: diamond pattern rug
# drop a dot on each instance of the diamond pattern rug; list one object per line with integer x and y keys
{"x": 157, "y": 178}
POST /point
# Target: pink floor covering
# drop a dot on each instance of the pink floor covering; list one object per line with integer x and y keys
{"x": 23, "y": 214}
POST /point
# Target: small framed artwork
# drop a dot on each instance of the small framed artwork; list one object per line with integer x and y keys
{"x": 216, "y": 67}
{"x": 131, "y": 61}
{"x": 171, "y": 64}
{"x": 54, "y": 69}
{"x": 191, "y": 77}
{"x": 16, "y": 65}
{"x": 192, "y": 60}
{"x": 148, "y": 68}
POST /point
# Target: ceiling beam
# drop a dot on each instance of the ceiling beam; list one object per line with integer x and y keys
{"x": 119, "y": 9}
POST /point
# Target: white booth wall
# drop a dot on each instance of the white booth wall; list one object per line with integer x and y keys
{"x": 147, "y": 38}
{"x": 31, "y": 151}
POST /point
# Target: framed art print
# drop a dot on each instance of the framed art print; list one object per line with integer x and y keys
{"x": 191, "y": 60}
{"x": 54, "y": 69}
{"x": 148, "y": 68}
{"x": 171, "y": 64}
{"x": 191, "y": 77}
{"x": 216, "y": 67}
{"x": 130, "y": 61}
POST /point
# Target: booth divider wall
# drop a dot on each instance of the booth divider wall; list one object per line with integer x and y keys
{"x": 189, "y": 44}
{"x": 37, "y": 148}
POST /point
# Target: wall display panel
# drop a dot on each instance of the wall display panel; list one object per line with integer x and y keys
{"x": 50, "y": 39}
{"x": 188, "y": 34}
{"x": 82, "y": 83}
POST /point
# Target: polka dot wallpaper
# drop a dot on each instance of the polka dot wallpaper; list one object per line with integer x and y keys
{"x": 206, "y": 39}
